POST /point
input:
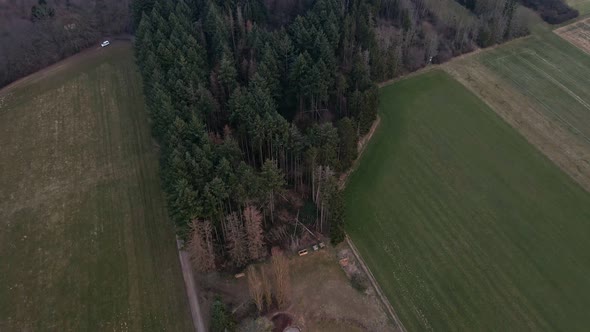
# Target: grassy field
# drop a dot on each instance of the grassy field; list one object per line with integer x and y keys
{"x": 551, "y": 71}
{"x": 85, "y": 243}
{"x": 583, "y": 6}
{"x": 466, "y": 225}
{"x": 540, "y": 85}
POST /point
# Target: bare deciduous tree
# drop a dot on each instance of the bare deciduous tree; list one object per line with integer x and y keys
{"x": 255, "y": 287}
{"x": 266, "y": 287}
{"x": 200, "y": 246}
{"x": 282, "y": 281}
{"x": 255, "y": 233}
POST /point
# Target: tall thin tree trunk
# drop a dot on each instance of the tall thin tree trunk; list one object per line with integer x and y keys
{"x": 272, "y": 203}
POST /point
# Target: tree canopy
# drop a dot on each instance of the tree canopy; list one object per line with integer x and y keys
{"x": 248, "y": 112}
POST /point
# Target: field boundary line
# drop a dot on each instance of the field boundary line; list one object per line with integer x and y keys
{"x": 388, "y": 307}
{"x": 362, "y": 145}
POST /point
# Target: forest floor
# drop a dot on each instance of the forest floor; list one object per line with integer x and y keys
{"x": 466, "y": 225}
{"x": 323, "y": 298}
{"x": 85, "y": 240}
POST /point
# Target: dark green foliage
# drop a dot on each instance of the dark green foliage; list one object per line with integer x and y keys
{"x": 139, "y": 8}
{"x": 41, "y": 11}
{"x": 336, "y": 221}
{"x": 359, "y": 283}
{"x": 324, "y": 138}
{"x": 368, "y": 112}
{"x": 243, "y": 113}
{"x": 221, "y": 318}
{"x": 348, "y": 138}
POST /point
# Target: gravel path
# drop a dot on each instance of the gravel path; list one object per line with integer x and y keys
{"x": 191, "y": 290}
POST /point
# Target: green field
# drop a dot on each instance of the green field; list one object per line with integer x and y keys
{"x": 550, "y": 71}
{"x": 583, "y": 6}
{"x": 85, "y": 244}
{"x": 465, "y": 225}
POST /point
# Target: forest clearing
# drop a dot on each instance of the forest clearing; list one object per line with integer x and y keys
{"x": 323, "y": 296}
{"x": 461, "y": 220}
{"x": 84, "y": 240}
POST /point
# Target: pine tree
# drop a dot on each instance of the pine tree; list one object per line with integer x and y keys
{"x": 227, "y": 73}
{"x": 269, "y": 71}
{"x": 161, "y": 111}
{"x": 370, "y": 102}
{"x": 336, "y": 220}
{"x": 143, "y": 42}
{"x": 235, "y": 240}
{"x": 347, "y": 151}
{"x": 299, "y": 78}
{"x": 138, "y": 9}
{"x": 272, "y": 183}
{"x": 185, "y": 205}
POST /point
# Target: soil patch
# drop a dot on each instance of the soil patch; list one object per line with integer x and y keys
{"x": 577, "y": 33}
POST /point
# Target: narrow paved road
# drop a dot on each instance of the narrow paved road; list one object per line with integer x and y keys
{"x": 191, "y": 290}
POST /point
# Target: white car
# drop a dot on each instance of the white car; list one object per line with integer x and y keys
{"x": 105, "y": 43}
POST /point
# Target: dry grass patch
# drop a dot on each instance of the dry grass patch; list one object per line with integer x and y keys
{"x": 321, "y": 298}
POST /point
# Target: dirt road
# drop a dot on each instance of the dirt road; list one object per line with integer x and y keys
{"x": 191, "y": 290}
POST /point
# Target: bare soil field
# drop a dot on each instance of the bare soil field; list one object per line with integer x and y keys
{"x": 577, "y": 33}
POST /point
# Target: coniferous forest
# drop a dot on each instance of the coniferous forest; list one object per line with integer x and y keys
{"x": 257, "y": 106}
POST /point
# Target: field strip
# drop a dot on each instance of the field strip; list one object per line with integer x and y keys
{"x": 556, "y": 82}
{"x": 382, "y": 297}
{"x": 529, "y": 92}
{"x": 568, "y": 56}
{"x": 559, "y": 117}
{"x": 567, "y": 76}
{"x": 561, "y": 143}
